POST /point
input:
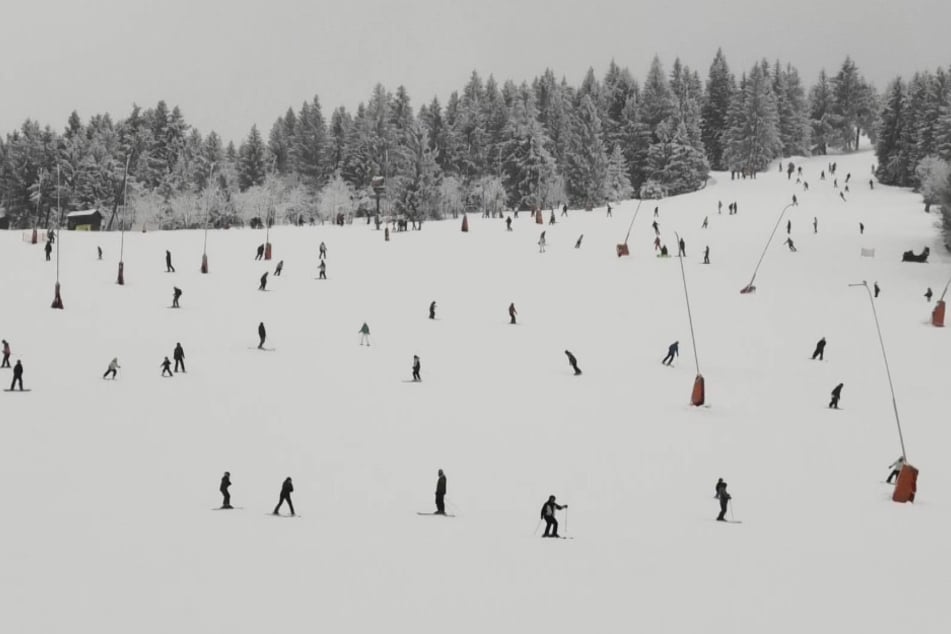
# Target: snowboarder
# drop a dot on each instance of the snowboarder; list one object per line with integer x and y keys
{"x": 836, "y": 395}
{"x": 820, "y": 349}
{"x": 166, "y": 367}
{"x": 223, "y": 487}
{"x": 168, "y": 262}
{"x": 706, "y": 221}
{"x": 896, "y": 469}
{"x": 573, "y": 362}
{"x": 815, "y": 224}
{"x": 323, "y": 250}
{"x": 724, "y": 499}
{"x": 279, "y": 269}
{"x": 322, "y": 270}
{"x": 706, "y": 255}
{"x": 260, "y": 253}
{"x": 861, "y": 228}
{"x": 113, "y": 368}
{"x": 578, "y": 241}
{"x": 508, "y": 223}
{"x": 6, "y": 348}
{"x": 673, "y": 350}
{"x": 99, "y": 250}
{"x": 541, "y": 243}
{"x": 176, "y": 294}
{"x": 928, "y": 295}
{"x": 416, "y": 367}
{"x": 512, "y": 313}
{"x": 286, "y": 489}
{"x": 432, "y": 310}
{"x": 49, "y": 249}
{"x": 548, "y": 514}
{"x": 17, "y": 376}
{"x": 681, "y": 248}
{"x": 663, "y": 251}
{"x": 263, "y": 285}
{"x": 364, "y": 334}
{"x": 791, "y": 245}
{"x": 876, "y": 289}
{"x": 179, "y": 356}
{"x": 262, "y": 335}
{"x": 441, "y": 493}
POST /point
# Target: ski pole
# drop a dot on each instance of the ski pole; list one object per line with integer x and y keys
{"x": 537, "y": 526}
{"x": 566, "y": 519}
{"x": 732, "y": 519}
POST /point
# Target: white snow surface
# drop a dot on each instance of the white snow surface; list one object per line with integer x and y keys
{"x": 108, "y": 486}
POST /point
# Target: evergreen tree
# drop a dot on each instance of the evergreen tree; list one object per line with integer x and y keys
{"x": 716, "y": 108}
{"x": 527, "y": 164}
{"x": 852, "y": 102}
{"x": 251, "y": 161}
{"x": 752, "y": 138}
{"x": 311, "y": 149}
{"x": 586, "y": 167}
{"x": 823, "y": 121}
{"x": 658, "y": 104}
{"x": 793, "y": 110}
{"x": 417, "y": 187}
{"x": 674, "y": 164}
{"x": 617, "y": 184}
{"x": 340, "y": 124}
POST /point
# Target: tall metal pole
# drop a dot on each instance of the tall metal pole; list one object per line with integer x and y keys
{"x": 888, "y": 372}
{"x": 766, "y": 248}
{"x": 59, "y": 222}
{"x": 683, "y": 275}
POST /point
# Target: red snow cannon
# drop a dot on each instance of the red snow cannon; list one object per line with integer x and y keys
{"x": 907, "y": 484}
{"x": 267, "y": 251}
{"x": 539, "y": 220}
{"x": 699, "y": 394}
{"x": 465, "y": 223}
{"x": 623, "y": 250}
{"x": 937, "y": 315}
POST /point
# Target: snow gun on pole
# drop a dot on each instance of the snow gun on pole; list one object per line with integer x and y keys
{"x": 622, "y": 248}
{"x": 749, "y": 288}
{"x": 937, "y": 315}
{"x": 698, "y": 395}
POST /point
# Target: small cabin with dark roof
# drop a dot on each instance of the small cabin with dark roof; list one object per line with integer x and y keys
{"x": 89, "y": 220}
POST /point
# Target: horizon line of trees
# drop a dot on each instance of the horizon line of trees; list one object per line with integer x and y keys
{"x": 490, "y": 146}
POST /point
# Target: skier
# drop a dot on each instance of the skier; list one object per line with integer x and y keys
{"x": 179, "y": 356}
{"x": 364, "y": 334}
{"x": 788, "y": 227}
{"x": 842, "y": 196}
{"x": 791, "y": 245}
{"x": 720, "y": 207}
{"x": 432, "y": 310}
{"x": 286, "y": 489}
{"x": 17, "y": 376}
{"x": 223, "y": 487}
{"x": 548, "y": 514}
{"x": 706, "y": 221}
{"x": 609, "y": 211}
{"x": 260, "y": 253}
{"x": 657, "y": 243}
{"x": 512, "y": 313}
{"x": 176, "y": 294}
{"x": 323, "y": 250}
{"x": 6, "y": 354}
{"x": 578, "y": 242}
{"x": 815, "y": 224}
{"x": 657, "y": 212}
{"x": 99, "y": 250}
{"x": 280, "y": 267}
{"x": 724, "y": 498}
{"x": 820, "y": 349}
{"x": 673, "y": 350}
{"x": 551, "y": 220}
{"x": 836, "y": 395}
{"x": 848, "y": 177}
{"x": 876, "y": 288}
{"x": 166, "y": 367}
{"x": 263, "y": 285}
{"x": 564, "y": 209}
{"x": 656, "y": 228}
{"x": 322, "y": 270}
{"x": 416, "y": 367}
{"x": 168, "y": 262}
{"x": 262, "y": 335}
{"x": 113, "y": 368}
{"x": 681, "y": 248}
{"x": 49, "y": 249}
{"x": 795, "y": 202}
{"x": 706, "y": 255}
{"x": 541, "y": 243}
{"x": 573, "y": 362}
{"x": 871, "y": 184}
{"x": 861, "y": 228}
{"x": 896, "y": 469}
{"x": 6, "y": 348}
{"x": 441, "y": 494}
{"x": 508, "y": 223}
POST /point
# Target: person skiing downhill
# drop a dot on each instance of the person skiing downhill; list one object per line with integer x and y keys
{"x": 176, "y": 294}
{"x": 896, "y": 469}
{"x": 166, "y": 367}
{"x": 260, "y": 252}
{"x": 673, "y": 350}
{"x": 512, "y": 313}
{"x": 578, "y": 242}
{"x": 263, "y": 286}
{"x": 279, "y": 269}
{"x": 573, "y": 362}
{"x": 6, "y": 350}
{"x": 548, "y": 514}
{"x": 99, "y": 251}
{"x": 706, "y": 221}
{"x": 225, "y": 494}
{"x": 541, "y": 243}
{"x": 657, "y": 243}
{"x": 788, "y": 227}
{"x": 706, "y": 255}
{"x": 168, "y": 262}
{"x": 441, "y": 493}
{"x": 836, "y": 395}
{"x": 286, "y": 489}
{"x": 48, "y": 249}
{"x": 179, "y": 356}
{"x": 323, "y": 250}
{"x": 861, "y": 228}
{"x": 791, "y": 245}
{"x": 820, "y": 349}
{"x": 815, "y": 225}
{"x": 17, "y": 376}
{"x": 262, "y": 335}
{"x": 876, "y": 288}
{"x": 364, "y": 334}
{"x": 113, "y": 368}
{"x": 432, "y": 310}
{"x": 322, "y": 270}
{"x": 416, "y": 367}
{"x": 724, "y": 498}
{"x": 928, "y": 295}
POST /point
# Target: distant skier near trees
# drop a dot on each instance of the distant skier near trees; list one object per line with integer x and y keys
{"x": 564, "y": 210}
{"x": 861, "y": 228}
{"x": 871, "y": 184}
{"x": 551, "y": 220}
{"x": 573, "y": 362}
{"x": 791, "y": 245}
{"x": 441, "y": 493}
{"x": 416, "y": 368}
{"x": 176, "y": 295}
{"x": 166, "y": 367}
{"x": 681, "y": 248}
{"x": 656, "y": 228}
{"x": 795, "y": 201}
{"x": 260, "y": 252}
{"x": 836, "y": 395}
{"x": 432, "y": 310}
{"x": 578, "y": 241}
{"x": 512, "y": 313}
{"x": 17, "y": 376}
{"x": 179, "y": 356}
{"x": 876, "y": 288}
{"x": 820, "y": 349}
{"x": 225, "y": 494}
{"x": 657, "y": 243}
{"x": 896, "y": 469}
{"x": 279, "y": 269}
{"x": 706, "y": 255}
{"x": 815, "y": 224}
{"x": 364, "y": 334}
{"x": 548, "y": 514}
{"x": 322, "y": 275}
{"x": 508, "y": 223}
{"x": 928, "y": 295}
{"x": 6, "y": 349}
{"x": 724, "y": 498}
{"x": 48, "y": 249}
{"x": 610, "y": 215}
{"x": 541, "y": 243}
{"x": 263, "y": 285}
{"x": 322, "y": 251}
{"x": 706, "y": 221}
{"x": 286, "y": 489}
{"x": 168, "y": 262}
{"x": 113, "y": 368}
{"x": 673, "y": 350}
{"x": 788, "y": 227}
{"x": 99, "y": 251}
{"x": 262, "y": 335}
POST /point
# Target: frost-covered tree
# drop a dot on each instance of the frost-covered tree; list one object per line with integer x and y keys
{"x": 822, "y": 119}
{"x": 716, "y": 109}
{"x": 617, "y": 184}
{"x": 451, "y": 196}
{"x": 853, "y": 101}
{"x": 527, "y": 163}
{"x": 792, "y": 108}
{"x": 674, "y": 163}
{"x": 251, "y": 161}
{"x": 335, "y": 197}
{"x": 587, "y": 159}
{"x": 933, "y": 176}
{"x": 894, "y": 161}
{"x": 752, "y": 138}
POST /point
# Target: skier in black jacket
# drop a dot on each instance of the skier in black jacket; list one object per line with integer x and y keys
{"x": 432, "y": 310}
{"x": 17, "y": 376}
{"x": 441, "y": 494}
{"x": 226, "y": 496}
{"x": 836, "y": 395}
{"x": 263, "y": 286}
{"x": 166, "y": 367}
{"x": 573, "y": 362}
{"x": 286, "y": 489}
{"x": 416, "y": 367}
{"x": 6, "y": 352}
{"x": 262, "y": 334}
{"x": 179, "y": 356}
{"x": 176, "y": 295}
{"x": 724, "y": 498}
{"x": 548, "y": 514}
{"x": 168, "y": 262}
{"x": 673, "y": 350}
{"x": 820, "y": 349}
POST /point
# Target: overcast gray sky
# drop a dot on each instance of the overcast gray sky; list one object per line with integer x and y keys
{"x": 229, "y": 64}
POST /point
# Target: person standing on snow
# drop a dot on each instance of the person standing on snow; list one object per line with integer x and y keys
{"x": 48, "y": 249}
{"x": 323, "y": 250}
{"x": 441, "y": 493}
{"x": 6, "y": 349}
{"x": 176, "y": 294}
{"x": 263, "y": 285}
{"x": 681, "y": 248}
{"x": 548, "y": 514}
{"x": 512, "y": 313}
{"x": 724, "y": 499}
{"x": 788, "y": 227}
{"x": 17, "y": 376}
{"x": 836, "y": 395}
{"x": 113, "y": 368}
{"x": 896, "y": 469}
{"x": 573, "y": 362}
{"x": 706, "y": 255}
{"x": 820, "y": 349}
{"x": 432, "y": 310}
{"x": 286, "y": 489}
{"x": 225, "y": 494}
{"x": 364, "y": 334}
{"x": 179, "y": 356}
{"x": 168, "y": 262}
{"x": 876, "y": 289}
{"x": 815, "y": 224}
{"x": 508, "y": 223}
{"x": 166, "y": 367}
{"x": 279, "y": 269}
{"x": 673, "y": 350}
{"x": 260, "y": 252}
{"x": 541, "y": 243}
{"x": 262, "y": 335}
{"x": 578, "y": 242}
{"x": 706, "y": 221}
{"x": 416, "y": 367}
{"x": 323, "y": 270}
{"x": 928, "y": 295}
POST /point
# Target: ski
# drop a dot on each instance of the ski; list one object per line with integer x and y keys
{"x": 28, "y": 390}
{"x": 436, "y": 514}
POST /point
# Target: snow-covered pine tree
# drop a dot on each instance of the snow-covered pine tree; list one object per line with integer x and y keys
{"x": 716, "y": 109}
{"x": 417, "y": 185}
{"x": 674, "y": 163}
{"x": 822, "y": 119}
{"x": 893, "y": 160}
{"x": 340, "y": 123}
{"x": 687, "y": 94}
{"x": 310, "y": 145}
{"x": 618, "y": 86}
{"x": 251, "y": 160}
{"x": 587, "y": 159}
{"x": 794, "y": 128}
{"x": 853, "y": 102}
{"x": 617, "y": 183}
{"x": 527, "y": 165}
{"x": 752, "y": 138}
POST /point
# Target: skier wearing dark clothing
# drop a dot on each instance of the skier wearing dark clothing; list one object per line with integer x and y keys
{"x": 706, "y": 255}
{"x": 225, "y": 495}
{"x": 788, "y": 227}
{"x": 609, "y": 211}
{"x": 17, "y": 376}
{"x": 551, "y": 220}
{"x": 166, "y": 367}
{"x": 512, "y": 313}
{"x": 548, "y": 514}
{"x": 815, "y": 224}
{"x": 836, "y": 395}
{"x": 262, "y": 335}
{"x": 656, "y": 228}
{"x": 681, "y": 248}
{"x": 49, "y": 249}
{"x": 820, "y": 349}
{"x": 573, "y": 362}
{"x": 280, "y": 267}
{"x": 263, "y": 286}
{"x": 564, "y": 210}
{"x": 441, "y": 494}
{"x": 168, "y": 262}
{"x": 260, "y": 252}
{"x": 673, "y": 350}
{"x": 99, "y": 250}
{"x": 508, "y": 223}
{"x": 578, "y": 241}
{"x": 928, "y": 295}
{"x": 179, "y": 356}
{"x": 323, "y": 270}
{"x": 432, "y": 310}
{"x": 861, "y": 228}
{"x": 322, "y": 250}
{"x": 724, "y": 499}
{"x": 876, "y": 289}
{"x": 795, "y": 202}
{"x": 6, "y": 349}
{"x": 286, "y": 489}
{"x": 416, "y": 367}
{"x": 113, "y": 368}
{"x": 791, "y": 245}
{"x": 896, "y": 469}
{"x": 176, "y": 294}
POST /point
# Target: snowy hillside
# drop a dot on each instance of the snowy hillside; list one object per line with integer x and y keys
{"x": 108, "y": 486}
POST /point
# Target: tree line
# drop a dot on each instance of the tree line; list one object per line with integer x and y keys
{"x": 490, "y": 146}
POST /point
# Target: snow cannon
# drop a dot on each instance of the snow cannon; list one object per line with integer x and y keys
{"x": 937, "y": 315}
{"x": 267, "y": 251}
{"x": 465, "y": 223}
{"x": 204, "y": 263}
{"x": 33, "y": 238}
{"x": 57, "y": 300}
{"x": 622, "y": 250}
{"x": 120, "y": 280}
{"x": 749, "y": 288}
{"x": 539, "y": 220}
{"x": 907, "y": 484}
{"x": 699, "y": 394}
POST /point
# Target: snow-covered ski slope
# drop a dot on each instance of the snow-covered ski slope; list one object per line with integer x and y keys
{"x": 107, "y": 487}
